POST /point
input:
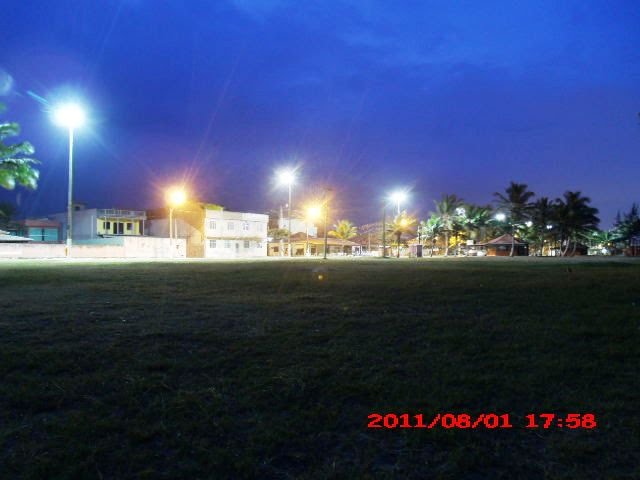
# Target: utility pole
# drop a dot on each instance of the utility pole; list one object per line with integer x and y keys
{"x": 384, "y": 230}
{"x": 326, "y": 217}
{"x": 289, "y": 228}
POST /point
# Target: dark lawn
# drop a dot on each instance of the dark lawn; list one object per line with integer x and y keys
{"x": 261, "y": 370}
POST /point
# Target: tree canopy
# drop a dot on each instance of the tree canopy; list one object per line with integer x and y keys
{"x": 343, "y": 230}
{"x": 16, "y": 164}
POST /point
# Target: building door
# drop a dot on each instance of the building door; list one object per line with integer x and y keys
{"x": 237, "y": 248}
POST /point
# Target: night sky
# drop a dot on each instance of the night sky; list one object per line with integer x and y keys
{"x": 364, "y": 96}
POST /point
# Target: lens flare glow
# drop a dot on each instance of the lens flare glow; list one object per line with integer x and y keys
{"x": 176, "y": 196}
{"x": 69, "y": 115}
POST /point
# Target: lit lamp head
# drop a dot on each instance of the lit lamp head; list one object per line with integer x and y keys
{"x": 313, "y": 212}
{"x": 69, "y": 115}
{"x": 398, "y": 196}
{"x": 501, "y": 217}
{"x": 176, "y": 197}
{"x": 403, "y": 222}
{"x": 286, "y": 177}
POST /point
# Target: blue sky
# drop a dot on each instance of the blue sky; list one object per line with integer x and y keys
{"x": 443, "y": 97}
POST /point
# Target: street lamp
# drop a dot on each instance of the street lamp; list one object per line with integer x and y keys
{"x": 287, "y": 177}
{"x": 176, "y": 196}
{"x": 501, "y": 217}
{"x": 398, "y": 197}
{"x": 313, "y": 213}
{"x": 69, "y": 116}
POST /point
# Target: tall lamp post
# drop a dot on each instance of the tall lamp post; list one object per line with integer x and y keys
{"x": 69, "y": 116}
{"x": 326, "y": 218}
{"x": 175, "y": 198}
{"x": 396, "y": 197}
{"x": 287, "y": 177}
{"x": 312, "y": 214}
{"x": 384, "y": 230}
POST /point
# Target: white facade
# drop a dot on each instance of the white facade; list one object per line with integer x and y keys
{"x": 92, "y": 223}
{"x": 235, "y": 234}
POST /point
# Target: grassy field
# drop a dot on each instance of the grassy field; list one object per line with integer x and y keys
{"x": 270, "y": 369}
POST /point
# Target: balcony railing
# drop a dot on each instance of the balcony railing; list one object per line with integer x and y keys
{"x": 115, "y": 213}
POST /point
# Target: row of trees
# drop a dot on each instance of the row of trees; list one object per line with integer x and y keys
{"x": 560, "y": 224}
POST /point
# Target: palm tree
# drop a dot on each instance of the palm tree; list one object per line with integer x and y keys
{"x": 430, "y": 230}
{"x": 458, "y": 224}
{"x": 602, "y": 239}
{"x": 15, "y": 165}
{"x": 446, "y": 212}
{"x": 575, "y": 217}
{"x": 402, "y": 224}
{"x": 516, "y": 204}
{"x": 628, "y": 225}
{"x": 543, "y": 212}
{"x": 476, "y": 221}
{"x": 343, "y": 230}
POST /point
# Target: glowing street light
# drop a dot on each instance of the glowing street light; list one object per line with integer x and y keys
{"x": 69, "y": 116}
{"x": 313, "y": 213}
{"x": 398, "y": 197}
{"x": 287, "y": 177}
{"x": 501, "y": 217}
{"x": 176, "y": 197}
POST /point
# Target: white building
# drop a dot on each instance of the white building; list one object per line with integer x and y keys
{"x": 216, "y": 233}
{"x": 235, "y": 234}
{"x": 94, "y": 223}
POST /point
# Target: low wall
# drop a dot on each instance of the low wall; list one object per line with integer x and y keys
{"x": 154, "y": 247}
{"x": 126, "y": 247}
{"x": 32, "y": 250}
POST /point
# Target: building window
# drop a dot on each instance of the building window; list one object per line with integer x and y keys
{"x": 245, "y": 226}
{"x": 212, "y": 244}
{"x": 212, "y": 224}
{"x": 258, "y": 245}
{"x": 276, "y": 249}
{"x": 229, "y": 225}
{"x": 227, "y": 244}
{"x": 129, "y": 227}
{"x": 247, "y": 244}
{"x": 106, "y": 225}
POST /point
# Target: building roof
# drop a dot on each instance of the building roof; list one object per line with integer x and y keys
{"x": 39, "y": 222}
{"x": 301, "y": 237}
{"x": 6, "y": 238}
{"x": 505, "y": 239}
